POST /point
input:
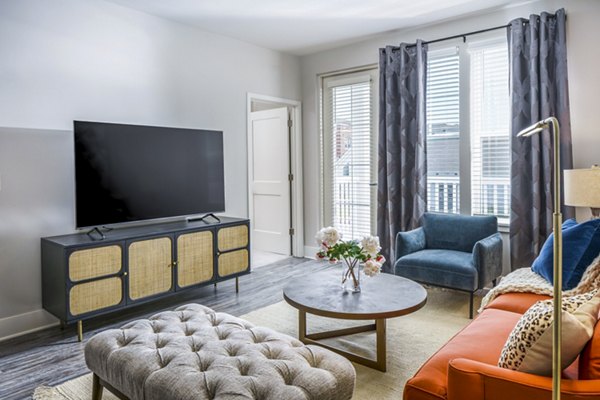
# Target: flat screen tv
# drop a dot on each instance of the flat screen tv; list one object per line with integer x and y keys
{"x": 127, "y": 173}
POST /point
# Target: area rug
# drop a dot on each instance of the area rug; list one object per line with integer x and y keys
{"x": 411, "y": 340}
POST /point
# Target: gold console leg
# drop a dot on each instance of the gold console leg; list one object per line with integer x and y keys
{"x": 237, "y": 284}
{"x": 80, "y": 330}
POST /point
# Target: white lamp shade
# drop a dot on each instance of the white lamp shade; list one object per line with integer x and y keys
{"x": 582, "y": 187}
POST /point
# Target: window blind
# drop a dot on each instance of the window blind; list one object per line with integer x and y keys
{"x": 348, "y": 157}
{"x": 443, "y": 131}
{"x": 490, "y": 140}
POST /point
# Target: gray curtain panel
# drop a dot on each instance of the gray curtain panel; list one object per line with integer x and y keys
{"x": 539, "y": 89}
{"x": 402, "y": 168}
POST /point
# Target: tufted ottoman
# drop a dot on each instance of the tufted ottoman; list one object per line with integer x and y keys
{"x": 196, "y": 353}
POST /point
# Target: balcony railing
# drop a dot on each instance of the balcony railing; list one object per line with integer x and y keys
{"x": 352, "y": 209}
{"x": 443, "y": 194}
{"x": 489, "y": 198}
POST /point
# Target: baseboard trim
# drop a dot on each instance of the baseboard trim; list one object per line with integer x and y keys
{"x": 21, "y": 324}
{"x": 310, "y": 251}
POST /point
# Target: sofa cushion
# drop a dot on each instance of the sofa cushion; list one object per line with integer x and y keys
{"x": 589, "y": 360}
{"x": 516, "y": 302}
{"x": 448, "y": 268}
{"x": 581, "y": 244}
{"x": 482, "y": 340}
{"x": 456, "y": 232}
{"x": 529, "y": 346}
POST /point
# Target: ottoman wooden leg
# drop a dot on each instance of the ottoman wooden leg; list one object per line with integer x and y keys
{"x": 96, "y": 388}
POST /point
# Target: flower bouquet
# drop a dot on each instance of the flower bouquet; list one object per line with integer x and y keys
{"x": 351, "y": 254}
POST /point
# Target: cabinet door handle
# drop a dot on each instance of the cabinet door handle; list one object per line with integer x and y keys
{"x": 125, "y": 273}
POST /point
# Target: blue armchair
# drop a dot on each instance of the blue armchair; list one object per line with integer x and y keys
{"x": 452, "y": 251}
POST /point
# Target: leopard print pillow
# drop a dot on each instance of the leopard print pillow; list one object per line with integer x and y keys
{"x": 529, "y": 346}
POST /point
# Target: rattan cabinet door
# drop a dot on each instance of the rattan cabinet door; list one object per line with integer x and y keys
{"x": 195, "y": 261}
{"x": 233, "y": 262}
{"x": 233, "y": 237}
{"x": 95, "y": 295}
{"x": 94, "y": 262}
{"x": 150, "y": 267}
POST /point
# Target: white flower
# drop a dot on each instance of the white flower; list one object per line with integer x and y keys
{"x": 370, "y": 245}
{"x": 328, "y": 236}
{"x": 371, "y": 268}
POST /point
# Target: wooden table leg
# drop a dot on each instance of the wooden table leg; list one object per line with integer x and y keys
{"x": 381, "y": 344}
{"x": 380, "y": 361}
{"x": 302, "y": 325}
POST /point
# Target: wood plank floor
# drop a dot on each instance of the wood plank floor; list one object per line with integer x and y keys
{"x": 52, "y": 356}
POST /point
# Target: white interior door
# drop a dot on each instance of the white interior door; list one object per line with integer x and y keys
{"x": 270, "y": 165}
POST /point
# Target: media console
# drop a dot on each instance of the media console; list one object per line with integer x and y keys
{"x": 83, "y": 278}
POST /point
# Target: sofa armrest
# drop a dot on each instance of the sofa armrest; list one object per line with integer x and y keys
{"x": 474, "y": 380}
{"x": 409, "y": 242}
{"x": 487, "y": 258}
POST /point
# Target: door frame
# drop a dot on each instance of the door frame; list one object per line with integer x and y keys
{"x": 296, "y": 195}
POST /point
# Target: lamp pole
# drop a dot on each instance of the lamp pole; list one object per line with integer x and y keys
{"x": 557, "y": 251}
{"x": 557, "y": 219}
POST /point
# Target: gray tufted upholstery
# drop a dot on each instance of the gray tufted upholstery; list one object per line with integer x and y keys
{"x": 196, "y": 353}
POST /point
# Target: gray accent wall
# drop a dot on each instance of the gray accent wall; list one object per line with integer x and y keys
{"x": 93, "y": 60}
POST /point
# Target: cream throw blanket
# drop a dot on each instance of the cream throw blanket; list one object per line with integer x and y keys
{"x": 524, "y": 280}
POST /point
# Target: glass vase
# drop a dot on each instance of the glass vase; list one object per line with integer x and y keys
{"x": 351, "y": 276}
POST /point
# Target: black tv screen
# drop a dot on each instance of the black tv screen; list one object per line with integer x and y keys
{"x": 130, "y": 172}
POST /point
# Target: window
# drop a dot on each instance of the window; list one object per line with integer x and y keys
{"x": 468, "y": 162}
{"x": 490, "y": 140}
{"x": 443, "y": 131}
{"x": 349, "y": 159}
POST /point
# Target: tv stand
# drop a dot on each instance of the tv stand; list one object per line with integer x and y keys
{"x": 84, "y": 277}
{"x": 202, "y": 218}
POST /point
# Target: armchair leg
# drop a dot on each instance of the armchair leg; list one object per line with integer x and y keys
{"x": 471, "y": 305}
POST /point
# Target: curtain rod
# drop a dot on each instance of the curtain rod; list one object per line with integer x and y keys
{"x": 462, "y": 35}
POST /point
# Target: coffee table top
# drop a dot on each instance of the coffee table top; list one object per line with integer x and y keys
{"x": 382, "y": 296}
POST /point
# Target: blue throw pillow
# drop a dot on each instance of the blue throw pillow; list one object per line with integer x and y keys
{"x": 581, "y": 244}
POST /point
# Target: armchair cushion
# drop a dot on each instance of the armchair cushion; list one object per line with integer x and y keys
{"x": 456, "y": 232}
{"x": 449, "y": 268}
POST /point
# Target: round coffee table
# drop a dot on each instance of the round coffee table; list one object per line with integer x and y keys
{"x": 383, "y": 296}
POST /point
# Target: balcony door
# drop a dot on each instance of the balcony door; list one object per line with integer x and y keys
{"x": 349, "y": 153}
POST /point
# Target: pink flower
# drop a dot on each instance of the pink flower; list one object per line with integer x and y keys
{"x": 372, "y": 268}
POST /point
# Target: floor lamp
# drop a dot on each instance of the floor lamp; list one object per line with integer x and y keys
{"x": 557, "y": 228}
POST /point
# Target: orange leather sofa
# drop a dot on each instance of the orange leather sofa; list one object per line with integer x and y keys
{"x": 466, "y": 368}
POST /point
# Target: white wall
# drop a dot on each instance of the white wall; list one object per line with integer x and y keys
{"x": 91, "y": 60}
{"x": 584, "y": 82}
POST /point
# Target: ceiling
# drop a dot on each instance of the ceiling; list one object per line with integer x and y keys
{"x": 305, "y": 26}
